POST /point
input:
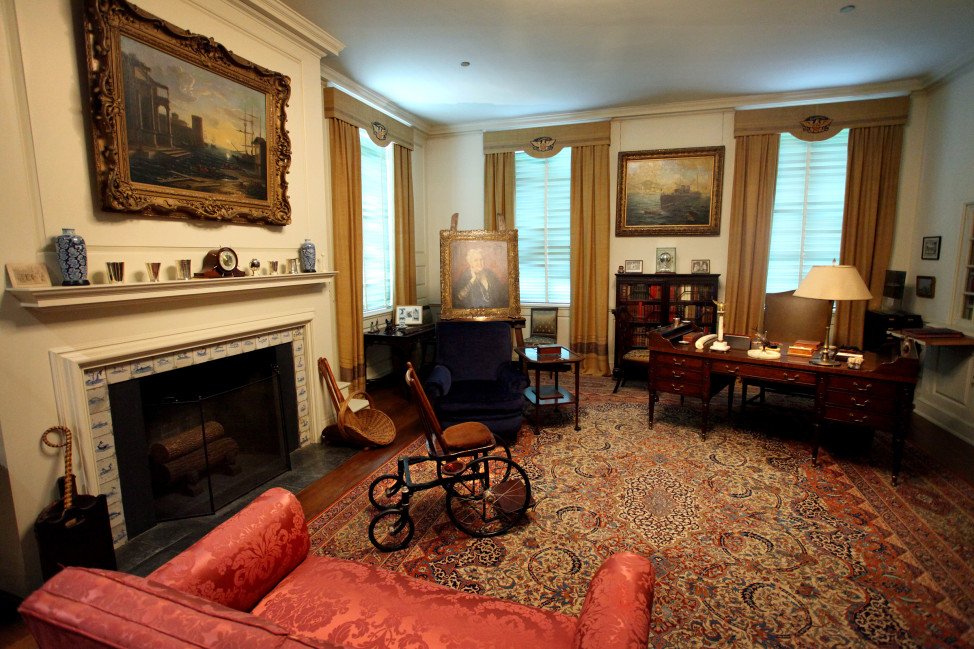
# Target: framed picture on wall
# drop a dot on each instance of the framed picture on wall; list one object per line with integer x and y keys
{"x": 669, "y": 192}
{"x": 931, "y": 248}
{"x": 409, "y": 314}
{"x": 181, "y": 126}
{"x": 925, "y": 285}
{"x": 479, "y": 274}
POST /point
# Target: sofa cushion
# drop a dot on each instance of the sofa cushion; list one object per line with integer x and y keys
{"x": 246, "y": 556}
{"x": 476, "y": 396}
{"x": 359, "y": 606}
{"x": 84, "y": 607}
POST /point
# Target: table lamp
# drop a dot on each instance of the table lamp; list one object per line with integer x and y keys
{"x": 832, "y": 283}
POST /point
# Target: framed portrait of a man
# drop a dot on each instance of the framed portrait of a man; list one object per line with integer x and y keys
{"x": 479, "y": 274}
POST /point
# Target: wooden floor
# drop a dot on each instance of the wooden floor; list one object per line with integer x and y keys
{"x": 945, "y": 447}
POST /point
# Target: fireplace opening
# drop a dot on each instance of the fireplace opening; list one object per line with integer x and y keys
{"x": 192, "y": 440}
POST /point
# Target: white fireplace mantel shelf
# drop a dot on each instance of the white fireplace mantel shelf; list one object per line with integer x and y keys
{"x": 57, "y": 297}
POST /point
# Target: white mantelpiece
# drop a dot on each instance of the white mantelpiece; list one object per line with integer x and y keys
{"x": 54, "y": 297}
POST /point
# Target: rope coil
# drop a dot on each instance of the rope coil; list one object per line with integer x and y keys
{"x": 68, "y": 473}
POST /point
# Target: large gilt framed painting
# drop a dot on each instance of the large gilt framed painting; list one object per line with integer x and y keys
{"x": 669, "y": 192}
{"x": 183, "y": 127}
{"x": 479, "y": 274}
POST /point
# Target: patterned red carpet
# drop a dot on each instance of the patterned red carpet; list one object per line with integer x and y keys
{"x": 753, "y": 546}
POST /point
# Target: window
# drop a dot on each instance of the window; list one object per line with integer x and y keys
{"x": 966, "y": 278}
{"x": 543, "y": 220}
{"x": 806, "y": 225}
{"x": 377, "y": 225}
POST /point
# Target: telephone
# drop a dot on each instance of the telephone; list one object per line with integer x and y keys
{"x": 703, "y": 340}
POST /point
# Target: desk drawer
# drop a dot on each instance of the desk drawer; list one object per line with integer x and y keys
{"x": 884, "y": 420}
{"x": 777, "y": 374}
{"x": 686, "y": 388}
{"x": 665, "y": 371}
{"x": 864, "y": 386}
{"x": 673, "y": 360}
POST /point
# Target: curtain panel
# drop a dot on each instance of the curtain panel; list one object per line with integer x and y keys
{"x": 404, "y": 289}
{"x": 870, "y": 214}
{"x": 591, "y": 231}
{"x": 752, "y": 204}
{"x": 499, "y": 189}
{"x": 346, "y": 205}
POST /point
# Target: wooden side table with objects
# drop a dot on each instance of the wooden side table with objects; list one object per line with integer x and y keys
{"x": 554, "y": 359}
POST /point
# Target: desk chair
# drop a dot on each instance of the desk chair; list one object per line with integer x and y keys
{"x": 786, "y": 319}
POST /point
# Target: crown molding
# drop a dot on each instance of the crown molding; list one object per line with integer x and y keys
{"x": 960, "y": 65}
{"x": 290, "y": 23}
{"x": 717, "y": 104}
{"x": 330, "y": 76}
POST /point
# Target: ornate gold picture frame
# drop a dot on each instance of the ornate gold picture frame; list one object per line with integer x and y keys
{"x": 669, "y": 192}
{"x": 479, "y": 274}
{"x": 183, "y": 127}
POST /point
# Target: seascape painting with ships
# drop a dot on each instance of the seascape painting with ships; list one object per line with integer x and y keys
{"x": 669, "y": 191}
{"x": 191, "y": 129}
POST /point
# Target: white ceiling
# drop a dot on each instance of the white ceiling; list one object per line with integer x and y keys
{"x": 543, "y": 57}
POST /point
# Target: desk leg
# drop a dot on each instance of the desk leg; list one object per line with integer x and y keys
{"x": 652, "y": 406}
{"x": 816, "y": 440}
{"x": 577, "y": 427}
{"x": 899, "y": 439}
{"x": 704, "y": 418}
{"x": 537, "y": 399}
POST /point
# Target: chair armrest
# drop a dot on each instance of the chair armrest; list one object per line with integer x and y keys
{"x": 244, "y": 557}
{"x": 511, "y": 377}
{"x": 438, "y": 382}
{"x": 618, "y": 605}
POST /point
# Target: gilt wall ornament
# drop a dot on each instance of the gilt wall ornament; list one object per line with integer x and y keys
{"x": 816, "y": 124}
{"x": 379, "y": 131}
{"x": 543, "y": 143}
{"x": 183, "y": 127}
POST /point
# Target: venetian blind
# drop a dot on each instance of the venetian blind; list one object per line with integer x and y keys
{"x": 543, "y": 221}
{"x": 806, "y": 225}
{"x": 377, "y": 226}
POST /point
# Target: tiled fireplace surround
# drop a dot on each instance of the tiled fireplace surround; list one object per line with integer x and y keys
{"x": 82, "y": 377}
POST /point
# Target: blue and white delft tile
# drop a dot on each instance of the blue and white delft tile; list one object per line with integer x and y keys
{"x": 234, "y": 347}
{"x": 104, "y": 447}
{"x": 218, "y": 350}
{"x": 106, "y": 470}
{"x": 298, "y": 362}
{"x": 119, "y": 535}
{"x": 300, "y": 379}
{"x": 98, "y": 399}
{"x": 142, "y": 368}
{"x": 101, "y": 423}
{"x": 302, "y": 393}
{"x": 112, "y": 491}
{"x": 274, "y": 338}
{"x": 164, "y": 363}
{"x": 298, "y": 346}
{"x": 184, "y": 358}
{"x": 262, "y": 341}
{"x": 302, "y": 408}
{"x": 201, "y": 355}
{"x": 120, "y": 372}
{"x": 95, "y": 377}
{"x": 298, "y": 332}
{"x": 249, "y": 344}
{"x": 287, "y": 336}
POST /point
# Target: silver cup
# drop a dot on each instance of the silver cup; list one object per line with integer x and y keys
{"x": 184, "y": 268}
{"x": 116, "y": 272}
{"x": 273, "y": 267}
{"x": 152, "y": 268}
{"x": 292, "y": 266}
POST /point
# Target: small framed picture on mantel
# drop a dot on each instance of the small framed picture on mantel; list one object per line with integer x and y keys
{"x": 634, "y": 266}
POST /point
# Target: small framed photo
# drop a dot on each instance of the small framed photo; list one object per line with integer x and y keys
{"x": 926, "y": 285}
{"x": 634, "y": 266}
{"x": 931, "y": 248}
{"x": 700, "y": 266}
{"x": 409, "y": 314}
{"x": 25, "y": 275}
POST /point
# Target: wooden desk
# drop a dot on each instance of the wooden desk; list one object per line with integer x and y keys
{"x": 551, "y": 396}
{"x": 879, "y": 395}
{"x": 402, "y": 342}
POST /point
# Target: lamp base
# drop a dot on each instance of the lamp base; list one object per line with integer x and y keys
{"x": 827, "y": 362}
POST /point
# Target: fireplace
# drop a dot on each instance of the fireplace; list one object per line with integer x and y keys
{"x": 190, "y": 441}
{"x": 112, "y": 464}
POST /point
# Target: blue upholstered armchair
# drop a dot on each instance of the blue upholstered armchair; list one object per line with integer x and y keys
{"x": 474, "y": 378}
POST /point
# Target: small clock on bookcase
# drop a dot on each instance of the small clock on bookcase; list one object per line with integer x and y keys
{"x": 220, "y": 262}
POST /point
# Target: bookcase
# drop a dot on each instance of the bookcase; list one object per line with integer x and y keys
{"x": 651, "y": 300}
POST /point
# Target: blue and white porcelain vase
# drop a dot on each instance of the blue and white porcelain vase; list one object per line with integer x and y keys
{"x": 72, "y": 257}
{"x": 306, "y": 253}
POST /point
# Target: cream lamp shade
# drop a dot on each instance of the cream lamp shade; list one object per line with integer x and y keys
{"x": 833, "y": 283}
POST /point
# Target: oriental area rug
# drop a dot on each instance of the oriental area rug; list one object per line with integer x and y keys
{"x": 753, "y": 546}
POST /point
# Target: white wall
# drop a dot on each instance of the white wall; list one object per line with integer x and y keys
{"x": 946, "y": 184}
{"x": 46, "y": 171}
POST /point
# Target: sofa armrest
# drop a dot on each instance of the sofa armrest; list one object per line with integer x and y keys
{"x": 438, "y": 382}
{"x": 244, "y": 557}
{"x": 618, "y": 605}
{"x": 511, "y": 377}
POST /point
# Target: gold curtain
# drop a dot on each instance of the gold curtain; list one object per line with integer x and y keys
{"x": 346, "y": 204}
{"x": 872, "y": 181}
{"x": 404, "y": 291}
{"x": 590, "y": 234}
{"x": 499, "y": 189}
{"x": 752, "y": 203}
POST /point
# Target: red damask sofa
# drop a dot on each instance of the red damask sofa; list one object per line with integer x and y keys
{"x": 251, "y": 583}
